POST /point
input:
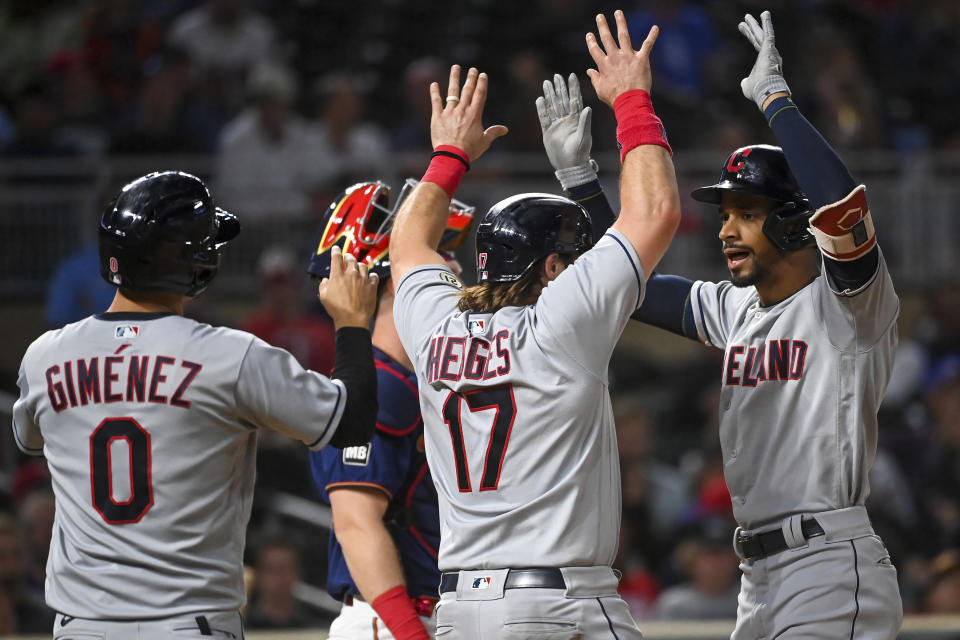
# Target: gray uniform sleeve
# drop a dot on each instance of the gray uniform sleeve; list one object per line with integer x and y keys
{"x": 869, "y": 311}
{"x": 274, "y": 392}
{"x": 715, "y": 309}
{"x": 25, "y": 429}
{"x": 425, "y": 297}
{"x": 583, "y": 312}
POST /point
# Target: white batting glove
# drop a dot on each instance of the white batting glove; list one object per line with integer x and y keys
{"x": 766, "y": 77}
{"x": 566, "y": 131}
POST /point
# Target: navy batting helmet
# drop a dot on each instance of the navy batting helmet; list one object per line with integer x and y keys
{"x": 162, "y": 232}
{"x": 520, "y": 230}
{"x": 762, "y": 170}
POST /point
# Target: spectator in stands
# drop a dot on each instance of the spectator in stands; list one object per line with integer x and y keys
{"x": 83, "y": 119}
{"x": 940, "y": 489}
{"x": 165, "y": 118}
{"x": 412, "y": 130}
{"x": 847, "y": 108}
{"x": 35, "y": 514}
{"x": 224, "y": 40}
{"x": 943, "y": 592}
{"x": 360, "y": 146}
{"x": 654, "y": 492}
{"x": 707, "y": 558}
{"x": 76, "y": 289}
{"x": 119, "y": 38}
{"x": 31, "y": 32}
{"x": 276, "y": 575}
{"x": 269, "y": 158}
{"x": 37, "y": 134}
{"x": 686, "y": 48}
{"x": 22, "y": 611}
{"x": 280, "y": 320}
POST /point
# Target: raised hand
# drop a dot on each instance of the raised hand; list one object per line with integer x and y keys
{"x": 619, "y": 67}
{"x": 766, "y": 77}
{"x": 565, "y": 123}
{"x": 350, "y": 293}
{"x": 457, "y": 119}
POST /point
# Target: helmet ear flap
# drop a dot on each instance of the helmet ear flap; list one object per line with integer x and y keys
{"x": 787, "y": 226}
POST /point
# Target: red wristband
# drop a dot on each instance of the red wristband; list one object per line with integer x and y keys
{"x": 396, "y": 610}
{"x": 447, "y": 166}
{"x": 637, "y": 124}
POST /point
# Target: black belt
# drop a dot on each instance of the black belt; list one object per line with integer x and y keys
{"x": 516, "y": 579}
{"x": 761, "y": 545}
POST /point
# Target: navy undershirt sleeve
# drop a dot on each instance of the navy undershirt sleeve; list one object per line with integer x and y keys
{"x": 667, "y": 301}
{"x": 590, "y": 197}
{"x": 823, "y": 177}
{"x": 667, "y": 305}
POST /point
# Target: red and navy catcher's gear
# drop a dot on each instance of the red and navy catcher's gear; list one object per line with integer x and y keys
{"x": 762, "y": 170}
{"x": 360, "y": 220}
{"x": 162, "y": 232}
{"x": 520, "y": 230}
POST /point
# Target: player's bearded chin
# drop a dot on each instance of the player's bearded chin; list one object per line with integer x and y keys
{"x": 748, "y": 273}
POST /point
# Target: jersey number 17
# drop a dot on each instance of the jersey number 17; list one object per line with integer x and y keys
{"x": 499, "y": 398}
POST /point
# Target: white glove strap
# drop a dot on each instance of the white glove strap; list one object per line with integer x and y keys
{"x": 576, "y": 176}
{"x": 766, "y": 87}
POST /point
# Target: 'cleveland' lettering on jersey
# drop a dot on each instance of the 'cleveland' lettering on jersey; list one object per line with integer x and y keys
{"x": 772, "y": 360}
{"x": 96, "y": 380}
{"x": 454, "y": 358}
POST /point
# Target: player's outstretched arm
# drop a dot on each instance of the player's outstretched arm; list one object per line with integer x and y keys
{"x": 649, "y": 201}
{"x": 458, "y": 138}
{"x": 851, "y": 258}
{"x": 567, "y": 139}
{"x": 350, "y": 297}
{"x": 373, "y": 559}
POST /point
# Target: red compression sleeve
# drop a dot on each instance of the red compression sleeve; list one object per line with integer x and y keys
{"x": 396, "y": 610}
{"x": 447, "y": 166}
{"x": 637, "y": 124}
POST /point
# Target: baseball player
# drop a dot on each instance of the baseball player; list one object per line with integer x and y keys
{"x": 512, "y": 372}
{"x": 809, "y": 337}
{"x": 148, "y": 421}
{"x": 383, "y": 547}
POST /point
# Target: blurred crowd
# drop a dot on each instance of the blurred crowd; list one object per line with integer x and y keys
{"x": 295, "y": 100}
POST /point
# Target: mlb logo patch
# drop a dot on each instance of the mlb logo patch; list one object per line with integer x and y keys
{"x": 477, "y": 327}
{"x": 126, "y": 331}
{"x": 357, "y": 456}
{"x": 481, "y": 583}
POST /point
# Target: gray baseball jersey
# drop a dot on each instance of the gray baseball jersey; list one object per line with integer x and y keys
{"x": 519, "y": 427}
{"x": 801, "y": 384}
{"x": 148, "y": 423}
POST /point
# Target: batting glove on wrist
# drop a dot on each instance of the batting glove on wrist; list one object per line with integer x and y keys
{"x": 766, "y": 77}
{"x": 566, "y": 131}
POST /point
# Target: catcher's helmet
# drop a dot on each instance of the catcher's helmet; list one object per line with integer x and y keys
{"x": 520, "y": 230}
{"x": 762, "y": 170}
{"x": 162, "y": 232}
{"x": 360, "y": 220}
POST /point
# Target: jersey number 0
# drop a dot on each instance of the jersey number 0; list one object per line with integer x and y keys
{"x": 498, "y": 398}
{"x": 101, "y": 470}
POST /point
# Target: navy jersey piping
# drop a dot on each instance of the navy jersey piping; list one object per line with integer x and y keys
{"x": 636, "y": 272}
{"x": 421, "y": 269}
{"x": 133, "y": 315}
{"x": 330, "y": 421}
{"x": 703, "y": 320}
